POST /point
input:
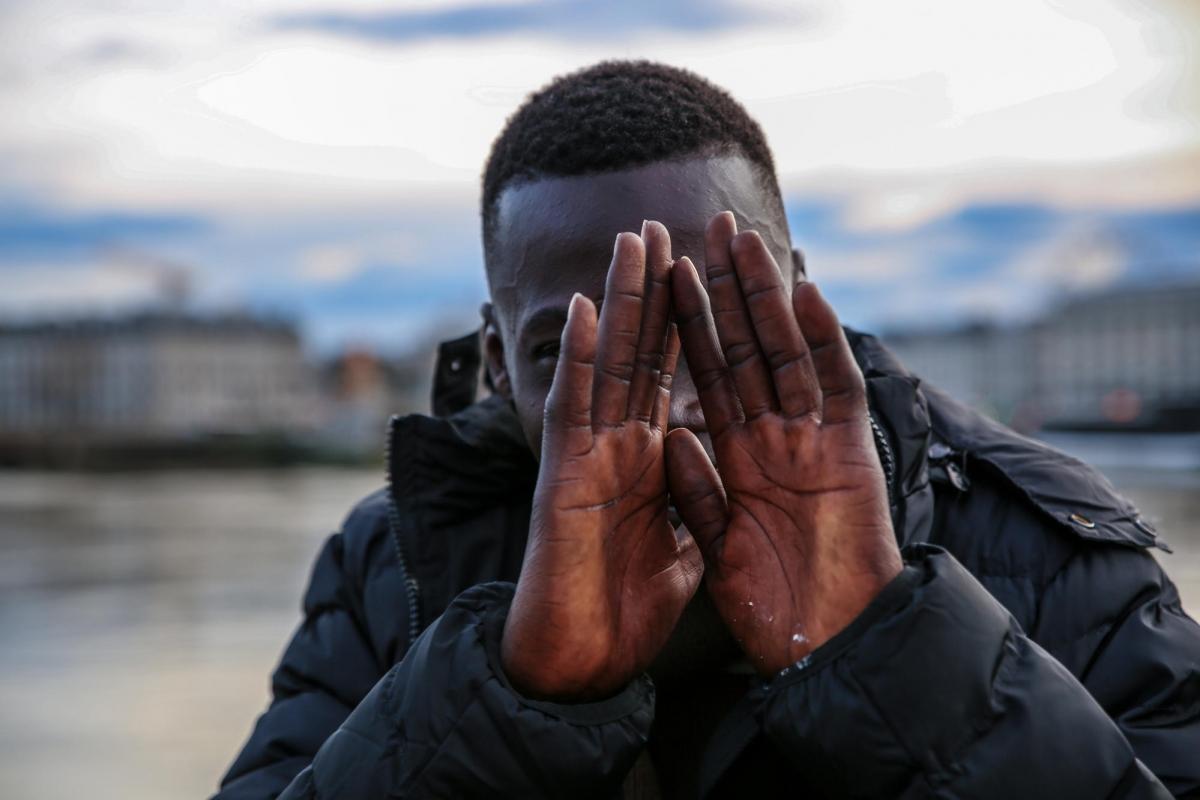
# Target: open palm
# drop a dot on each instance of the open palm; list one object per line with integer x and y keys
{"x": 794, "y": 519}
{"x": 605, "y": 577}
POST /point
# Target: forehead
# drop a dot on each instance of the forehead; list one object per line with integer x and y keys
{"x": 554, "y": 237}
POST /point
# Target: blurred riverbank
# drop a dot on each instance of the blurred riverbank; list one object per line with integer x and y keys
{"x": 140, "y": 616}
{"x": 141, "y": 613}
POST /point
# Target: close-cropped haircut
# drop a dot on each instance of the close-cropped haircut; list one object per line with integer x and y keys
{"x": 617, "y": 115}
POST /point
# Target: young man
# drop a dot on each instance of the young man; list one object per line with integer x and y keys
{"x": 874, "y": 592}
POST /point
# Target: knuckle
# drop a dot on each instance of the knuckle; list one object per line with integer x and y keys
{"x": 785, "y": 359}
{"x": 739, "y": 353}
{"x": 709, "y": 379}
{"x": 851, "y": 393}
{"x": 719, "y": 270}
{"x": 685, "y": 318}
{"x": 649, "y": 361}
{"x": 756, "y": 290}
{"x": 618, "y": 372}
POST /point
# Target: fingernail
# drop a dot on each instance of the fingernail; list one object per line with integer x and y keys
{"x": 575, "y": 298}
{"x": 616, "y": 244}
{"x": 645, "y": 225}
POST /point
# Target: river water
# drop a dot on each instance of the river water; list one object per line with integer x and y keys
{"x": 141, "y": 614}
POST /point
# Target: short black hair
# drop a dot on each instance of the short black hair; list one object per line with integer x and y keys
{"x": 615, "y": 115}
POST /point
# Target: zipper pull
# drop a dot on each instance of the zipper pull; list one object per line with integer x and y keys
{"x": 948, "y": 466}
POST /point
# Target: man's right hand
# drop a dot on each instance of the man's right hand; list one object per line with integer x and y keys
{"x": 605, "y": 576}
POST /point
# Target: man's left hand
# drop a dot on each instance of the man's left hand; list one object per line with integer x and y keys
{"x": 794, "y": 520}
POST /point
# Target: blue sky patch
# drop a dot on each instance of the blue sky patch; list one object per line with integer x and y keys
{"x": 581, "y": 19}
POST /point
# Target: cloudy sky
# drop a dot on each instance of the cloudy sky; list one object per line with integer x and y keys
{"x": 941, "y": 159}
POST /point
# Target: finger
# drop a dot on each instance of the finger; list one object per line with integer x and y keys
{"x": 568, "y": 413}
{"x": 699, "y": 337}
{"x": 775, "y": 325}
{"x": 843, "y": 390}
{"x": 735, "y": 331}
{"x": 656, "y": 311}
{"x": 696, "y": 492}
{"x": 620, "y": 327}
{"x": 666, "y": 378}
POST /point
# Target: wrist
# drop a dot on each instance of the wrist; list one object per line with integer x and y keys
{"x": 634, "y": 700}
{"x": 891, "y": 596}
{"x": 557, "y": 674}
{"x": 833, "y": 602}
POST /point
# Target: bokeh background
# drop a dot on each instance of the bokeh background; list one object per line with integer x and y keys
{"x": 231, "y": 234}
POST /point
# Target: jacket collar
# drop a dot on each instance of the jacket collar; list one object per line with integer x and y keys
{"x": 900, "y": 408}
{"x": 932, "y": 431}
{"x": 446, "y": 468}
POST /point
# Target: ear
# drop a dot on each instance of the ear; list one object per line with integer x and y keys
{"x": 493, "y": 352}
{"x": 799, "y": 272}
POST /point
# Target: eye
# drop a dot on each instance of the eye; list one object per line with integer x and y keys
{"x": 547, "y": 351}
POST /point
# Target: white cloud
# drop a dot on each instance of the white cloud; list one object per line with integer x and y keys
{"x": 884, "y": 262}
{"x": 899, "y": 201}
{"x": 335, "y": 261}
{"x": 205, "y": 107}
{"x": 897, "y": 210}
{"x": 75, "y": 288}
{"x": 329, "y": 263}
{"x": 1080, "y": 256}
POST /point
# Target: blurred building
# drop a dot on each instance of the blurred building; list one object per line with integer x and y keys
{"x": 154, "y": 377}
{"x": 1122, "y": 358}
{"x": 361, "y": 390}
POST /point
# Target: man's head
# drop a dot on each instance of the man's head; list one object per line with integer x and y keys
{"x": 591, "y": 155}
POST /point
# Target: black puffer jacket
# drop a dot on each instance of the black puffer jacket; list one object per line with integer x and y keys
{"x": 1032, "y": 648}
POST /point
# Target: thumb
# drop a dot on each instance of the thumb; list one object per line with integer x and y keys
{"x": 691, "y": 561}
{"x": 696, "y": 491}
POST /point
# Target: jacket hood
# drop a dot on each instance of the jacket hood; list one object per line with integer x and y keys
{"x": 931, "y": 428}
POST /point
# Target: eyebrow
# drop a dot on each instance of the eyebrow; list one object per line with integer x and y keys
{"x": 545, "y": 318}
